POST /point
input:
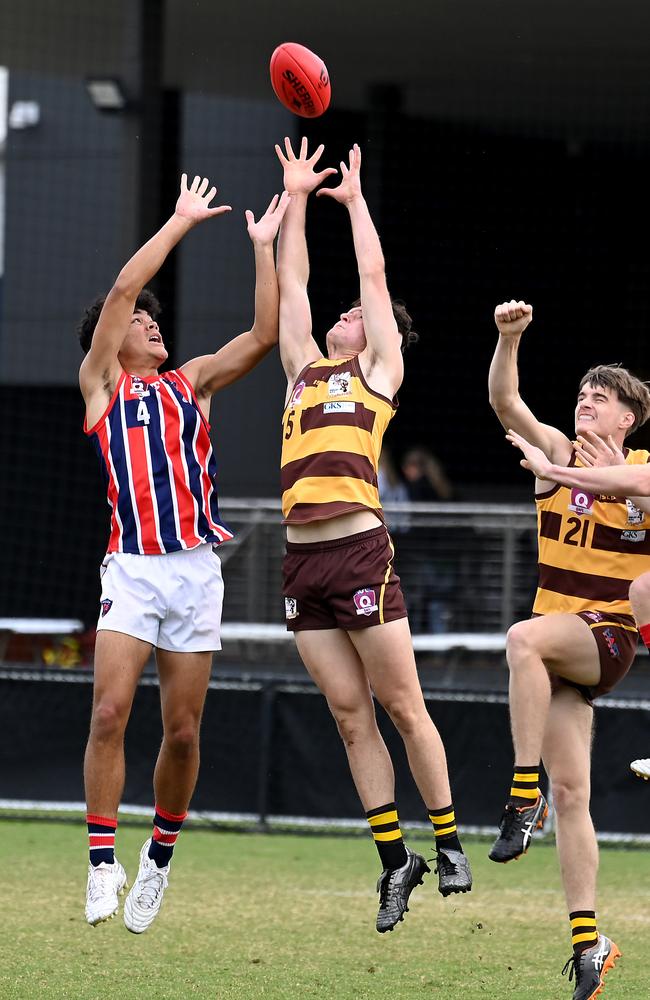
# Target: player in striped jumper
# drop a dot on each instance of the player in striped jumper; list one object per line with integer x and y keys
{"x": 161, "y": 578}
{"x": 342, "y": 598}
{"x": 606, "y": 472}
{"x": 582, "y": 637}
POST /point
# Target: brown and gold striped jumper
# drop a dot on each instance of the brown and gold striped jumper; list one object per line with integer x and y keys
{"x": 591, "y": 547}
{"x": 332, "y": 430}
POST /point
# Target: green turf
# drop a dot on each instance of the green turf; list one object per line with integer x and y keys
{"x": 270, "y": 917}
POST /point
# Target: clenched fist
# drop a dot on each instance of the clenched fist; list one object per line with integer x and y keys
{"x": 512, "y": 318}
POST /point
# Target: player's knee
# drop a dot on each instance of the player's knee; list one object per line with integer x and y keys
{"x": 181, "y": 738}
{"x": 353, "y": 724}
{"x": 519, "y": 643}
{"x": 570, "y": 795}
{"x": 640, "y": 598}
{"x": 405, "y": 715}
{"x": 109, "y": 720}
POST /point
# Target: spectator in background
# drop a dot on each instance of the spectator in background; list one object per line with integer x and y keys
{"x": 427, "y": 570}
{"x": 424, "y": 476}
{"x": 392, "y": 489}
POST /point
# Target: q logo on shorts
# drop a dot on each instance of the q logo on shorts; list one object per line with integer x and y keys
{"x": 365, "y": 601}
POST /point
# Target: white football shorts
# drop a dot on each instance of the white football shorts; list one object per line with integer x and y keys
{"x": 173, "y": 601}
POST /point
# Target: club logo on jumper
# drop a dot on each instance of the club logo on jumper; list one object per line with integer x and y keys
{"x": 631, "y": 535}
{"x": 107, "y": 604}
{"x": 581, "y": 501}
{"x": 290, "y": 607}
{"x": 365, "y": 601}
{"x": 594, "y": 616}
{"x": 138, "y": 388}
{"x": 634, "y": 515}
{"x": 340, "y": 406}
{"x": 612, "y": 644}
{"x": 297, "y": 394}
{"x": 339, "y": 384}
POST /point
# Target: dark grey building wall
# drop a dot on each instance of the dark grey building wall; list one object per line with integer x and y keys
{"x": 66, "y": 236}
{"x": 64, "y": 182}
{"x": 231, "y": 141}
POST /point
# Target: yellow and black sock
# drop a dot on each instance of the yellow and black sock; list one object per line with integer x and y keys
{"x": 524, "y": 790}
{"x": 387, "y": 835}
{"x": 444, "y": 827}
{"x": 584, "y": 932}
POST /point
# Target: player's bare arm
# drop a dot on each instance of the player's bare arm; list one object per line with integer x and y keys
{"x": 511, "y": 319}
{"x": 297, "y": 346}
{"x": 212, "y": 372}
{"x": 101, "y": 367}
{"x": 612, "y": 480}
{"x": 382, "y": 360}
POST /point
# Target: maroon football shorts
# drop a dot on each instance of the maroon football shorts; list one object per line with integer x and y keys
{"x": 616, "y": 651}
{"x": 346, "y": 583}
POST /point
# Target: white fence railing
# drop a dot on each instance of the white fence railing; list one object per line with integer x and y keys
{"x": 465, "y": 568}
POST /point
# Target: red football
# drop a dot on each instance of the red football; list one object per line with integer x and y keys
{"x": 300, "y": 80}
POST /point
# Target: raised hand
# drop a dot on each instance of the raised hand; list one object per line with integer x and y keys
{"x": 350, "y": 186}
{"x": 594, "y": 452}
{"x": 300, "y": 175}
{"x": 512, "y": 318}
{"x": 534, "y": 458}
{"x": 194, "y": 202}
{"x": 266, "y": 228}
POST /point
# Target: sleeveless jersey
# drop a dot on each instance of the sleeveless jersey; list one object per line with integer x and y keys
{"x": 591, "y": 547}
{"x": 333, "y": 427}
{"x": 154, "y": 447}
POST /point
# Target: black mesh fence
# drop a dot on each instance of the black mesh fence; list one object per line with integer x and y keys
{"x": 270, "y": 752}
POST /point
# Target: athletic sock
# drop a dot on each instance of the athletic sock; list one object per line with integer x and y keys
{"x": 644, "y": 631}
{"x": 384, "y": 825}
{"x": 166, "y": 828}
{"x": 524, "y": 790}
{"x": 444, "y": 827}
{"x": 101, "y": 839}
{"x": 584, "y": 932}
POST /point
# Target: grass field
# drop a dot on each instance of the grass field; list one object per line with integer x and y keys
{"x": 254, "y": 916}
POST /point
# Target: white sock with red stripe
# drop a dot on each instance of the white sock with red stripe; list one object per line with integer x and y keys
{"x": 101, "y": 839}
{"x": 166, "y": 828}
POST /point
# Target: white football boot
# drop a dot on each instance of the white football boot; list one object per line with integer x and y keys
{"x": 143, "y": 902}
{"x": 641, "y": 767}
{"x": 105, "y": 883}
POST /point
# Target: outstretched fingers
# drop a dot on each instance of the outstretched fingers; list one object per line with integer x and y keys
{"x": 316, "y": 155}
{"x": 269, "y": 222}
{"x": 283, "y": 204}
{"x": 517, "y": 440}
{"x": 273, "y": 202}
